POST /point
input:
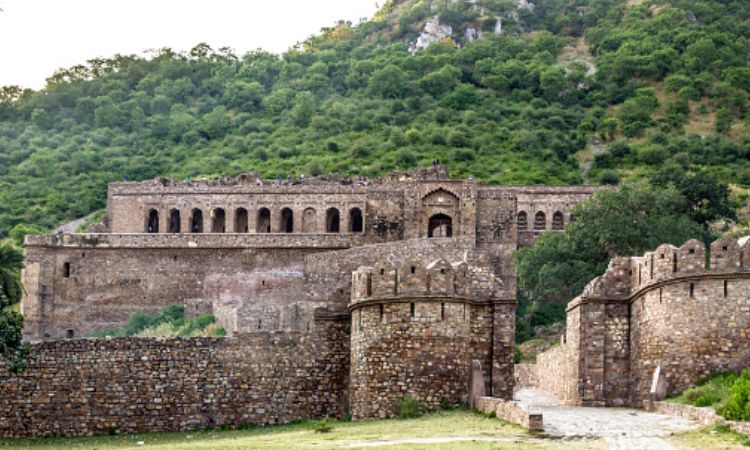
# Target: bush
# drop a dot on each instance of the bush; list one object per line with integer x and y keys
{"x": 410, "y": 407}
{"x": 323, "y": 426}
{"x": 737, "y": 406}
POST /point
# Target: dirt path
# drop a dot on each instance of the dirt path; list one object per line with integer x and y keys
{"x": 621, "y": 428}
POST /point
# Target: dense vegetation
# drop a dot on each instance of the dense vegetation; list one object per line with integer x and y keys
{"x": 727, "y": 392}
{"x": 11, "y": 321}
{"x": 514, "y": 108}
{"x": 170, "y": 321}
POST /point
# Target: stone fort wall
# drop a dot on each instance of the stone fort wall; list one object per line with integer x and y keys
{"x": 90, "y": 386}
{"x": 671, "y": 308}
{"x": 416, "y": 328}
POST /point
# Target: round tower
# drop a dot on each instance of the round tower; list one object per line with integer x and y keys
{"x": 414, "y": 327}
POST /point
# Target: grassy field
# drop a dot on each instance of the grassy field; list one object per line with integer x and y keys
{"x": 441, "y": 430}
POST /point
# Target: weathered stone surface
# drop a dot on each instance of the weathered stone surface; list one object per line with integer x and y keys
{"x": 87, "y": 386}
{"x": 665, "y": 309}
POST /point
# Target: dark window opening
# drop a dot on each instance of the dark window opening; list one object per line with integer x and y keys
{"x": 724, "y": 247}
{"x": 674, "y": 262}
{"x": 241, "y": 221}
{"x": 70, "y": 334}
{"x": 196, "y": 221}
{"x": 219, "y": 223}
{"x": 174, "y": 221}
{"x": 558, "y": 222}
{"x": 152, "y": 222}
{"x": 382, "y": 271}
{"x": 381, "y": 313}
{"x": 442, "y": 270}
{"x": 287, "y": 221}
{"x": 692, "y": 290}
{"x": 691, "y": 251}
{"x": 726, "y": 288}
{"x": 66, "y": 270}
{"x": 442, "y": 311}
{"x": 413, "y": 310}
{"x": 413, "y": 269}
{"x": 355, "y": 220}
{"x": 660, "y": 295}
{"x": 369, "y": 286}
{"x": 522, "y": 221}
{"x": 263, "y": 224}
{"x": 440, "y": 225}
{"x": 540, "y": 221}
{"x": 333, "y": 220}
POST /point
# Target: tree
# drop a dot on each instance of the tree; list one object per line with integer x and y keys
{"x": 11, "y": 322}
{"x": 623, "y": 222}
{"x": 706, "y": 198}
{"x": 388, "y": 82}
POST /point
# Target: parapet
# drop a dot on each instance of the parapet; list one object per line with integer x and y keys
{"x": 417, "y": 279}
{"x": 627, "y": 275}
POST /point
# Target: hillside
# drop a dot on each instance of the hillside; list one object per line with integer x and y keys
{"x": 547, "y": 91}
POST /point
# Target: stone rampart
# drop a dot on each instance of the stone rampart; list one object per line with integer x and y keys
{"x": 672, "y": 307}
{"x": 417, "y": 325}
{"x": 88, "y": 386}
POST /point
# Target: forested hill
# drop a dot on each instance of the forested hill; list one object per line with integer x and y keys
{"x": 510, "y": 91}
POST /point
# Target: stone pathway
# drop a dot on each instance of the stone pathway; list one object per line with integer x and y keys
{"x": 621, "y": 428}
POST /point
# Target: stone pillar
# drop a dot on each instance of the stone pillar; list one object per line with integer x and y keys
{"x": 503, "y": 344}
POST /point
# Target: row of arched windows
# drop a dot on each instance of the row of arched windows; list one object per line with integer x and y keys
{"x": 540, "y": 221}
{"x": 263, "y": 224}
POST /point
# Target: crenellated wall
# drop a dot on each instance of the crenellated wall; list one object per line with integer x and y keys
{"x": 416, "y": 327}
{"x": 671, "y": 307}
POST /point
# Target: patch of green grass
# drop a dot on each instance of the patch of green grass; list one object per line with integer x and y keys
{"x": 456, "y": 429}
{"x": 92, "y": 218}
{"x": 713, "y": 436}
{"x": 727, "y": 392}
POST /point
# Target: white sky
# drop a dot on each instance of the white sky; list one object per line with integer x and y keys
{"x": 39, "y": 36}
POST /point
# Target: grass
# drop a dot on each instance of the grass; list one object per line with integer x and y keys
{"x": 713, "y": 436}
{"x": 461, "y": 428}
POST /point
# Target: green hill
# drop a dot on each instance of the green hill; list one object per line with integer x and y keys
{"x": 551, "y": 92}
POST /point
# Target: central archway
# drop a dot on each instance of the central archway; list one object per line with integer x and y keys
{"x": 440, "y": 225}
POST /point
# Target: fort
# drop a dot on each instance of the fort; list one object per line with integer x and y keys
{"x": 344, "y": 296}
{"x": 339, "y": 296}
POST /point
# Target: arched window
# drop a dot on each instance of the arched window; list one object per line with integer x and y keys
{"x": 219, "y": 221}
{"x": 440, "y": 225}
{"x": 558, "y": 223}
{"x": 152, "y": 221}
{"x": 66, "y": 270}
{"x": 333, "y": 220}
{"x": 174, "y": 221}
{"x": 263, "y": 224}
{"x": 287, "y": 221}
{"x": 522, "y": 221}
{"x": 196, "y": 221}
{"x": 540, "y": 221}
{"x": 355, "y": 220}
{"x": 240, "y": 221}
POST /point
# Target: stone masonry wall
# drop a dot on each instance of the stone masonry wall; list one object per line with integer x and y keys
{"x": 87, "y": 386}
{"x": 667, "y": 308}
{"x": 425, "y": 355}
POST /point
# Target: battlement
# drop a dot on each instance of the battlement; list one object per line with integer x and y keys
{"x": 627, "y": 276}
{"x": 386, "y": 281}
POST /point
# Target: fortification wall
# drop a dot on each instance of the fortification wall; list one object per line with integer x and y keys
{"x": 666, "y": 308}
{"x": 80, "y": 284}
{"x": 416, "y": 329}
{"x": 86, "y": 386}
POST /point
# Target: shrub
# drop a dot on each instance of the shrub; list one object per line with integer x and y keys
{"x": 323, "y": 426}
{"x": 737, "y": 406}
{"x": 410, "y": 407}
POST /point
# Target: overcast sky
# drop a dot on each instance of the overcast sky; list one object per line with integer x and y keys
{"x": 39, "y": 36}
